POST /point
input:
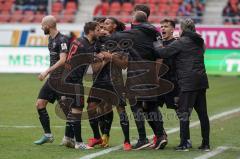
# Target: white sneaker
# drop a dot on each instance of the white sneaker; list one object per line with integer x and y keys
{"x": 82, "y": 146}
{"x": 68, "y": 142}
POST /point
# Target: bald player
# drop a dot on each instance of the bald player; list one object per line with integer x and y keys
{"x": 58, "y": 48}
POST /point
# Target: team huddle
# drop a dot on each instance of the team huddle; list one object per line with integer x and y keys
{"x": 161, "y": 69}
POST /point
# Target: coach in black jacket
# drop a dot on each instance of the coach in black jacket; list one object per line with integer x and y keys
{"x": 192, "y": 79}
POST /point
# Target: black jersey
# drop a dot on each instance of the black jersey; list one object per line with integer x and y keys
{"x": 79, "y": 46}
{"x": 58, "y": 44}
{"x": 171, "y": 74}
{"x": 104, "y": 76}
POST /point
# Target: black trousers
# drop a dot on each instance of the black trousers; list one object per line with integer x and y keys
{"x": 187, "y": 101}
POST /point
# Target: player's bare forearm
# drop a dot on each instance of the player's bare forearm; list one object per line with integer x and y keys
{"x": 61, "y": 62}
{"x": 120, "y": 60}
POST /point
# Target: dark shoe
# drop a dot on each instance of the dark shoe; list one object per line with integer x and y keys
{"x": 189, "y": 143}
{"x": 204, "y": 147}
{"x": 181, "y": 147}
{"x": 141, "y": 144}
{"x": 161, "y": 142}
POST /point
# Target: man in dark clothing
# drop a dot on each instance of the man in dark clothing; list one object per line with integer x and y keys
{"x": 106, "y": 73}
{"x": 80, "y": 47}
{"x": 192, "y": 80}
{"x": 118, "y": 60}
{"x": 170, "y": 99}
{"x": 142, "y": 35}
{"x": 145, "y": 8}
{"x": 58, "y": 48}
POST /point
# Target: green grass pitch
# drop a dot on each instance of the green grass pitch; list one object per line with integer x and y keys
{"x": 18, "y": 94}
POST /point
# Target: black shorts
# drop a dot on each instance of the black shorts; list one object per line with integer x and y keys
{"x": 108, "y": 87}
{"x": 48, "y": 93}
{"x": 170, "y": 99}
{"x": 77, "y": 101}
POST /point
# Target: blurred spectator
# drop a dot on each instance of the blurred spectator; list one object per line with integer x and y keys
{"x": 184, "y": 9}
{"x": 66, "y": 1}
{"x": 33, "y": 5}
{"x": 194, "y": 8}
{"x": 72, "y": 37}
{"x": 231, "y": 13}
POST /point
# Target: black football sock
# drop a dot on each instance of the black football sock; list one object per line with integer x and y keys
{"x": 124, "y": 122}
{"x": 101, "y": 124}
{"x": 159, "y": 129}
{"x": 77, "y": 130}
{"x": 94, "y": 125}
{"x": 108, "y": 119}
{"x": 69, "y": 130}
{"x": 139, "y": 120}
{"x": 154, "y": 118}
{"x": 44, "y": 119}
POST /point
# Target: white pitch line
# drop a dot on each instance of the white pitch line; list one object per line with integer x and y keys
{"x": 55, "y": 126}
{"x": 173, "y": 130}
{"x": 215, "y": 152}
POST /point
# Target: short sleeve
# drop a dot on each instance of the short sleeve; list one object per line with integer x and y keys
{"x": 63, "y": 45}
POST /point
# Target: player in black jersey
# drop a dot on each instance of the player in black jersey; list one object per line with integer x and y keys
{"x": 118, "y": 60}
{"x": 170, "y": 99}
{"x": 58, "y": 48}
{"x": 79, "y": 48}
{"x": 102, "y": 80}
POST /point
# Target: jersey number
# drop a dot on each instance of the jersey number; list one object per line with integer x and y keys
{"x": 72, "y": 51}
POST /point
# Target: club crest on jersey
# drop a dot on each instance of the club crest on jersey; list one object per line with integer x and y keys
{"x": 64, "y": 46}
{"x": 54, "y": 44}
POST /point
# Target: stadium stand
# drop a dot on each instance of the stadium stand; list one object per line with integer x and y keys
{"x": 169, "y": 8}
{"x": 231, "y": 13}
{"x": 32, "y": 11}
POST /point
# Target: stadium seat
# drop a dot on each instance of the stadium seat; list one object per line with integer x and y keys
{"x": 28, "y": 17}
{"x": 174, "y": 7}
{"x": 115, "y": 8}
{"x": 4, "y": 17}
{"x": 105, "y": 8}
{"x": 38, "y": 17}
{"x": 127, "y": 7}
{"x": 71, "y": 6}
{"x": 57, "y": 16}
{"x": 153, "y": 1}
{"x": 16, "y": 16}
{"x": 153, "y": 8}
{"x": 233, "y": 1}
{"x": 126, "y": 19}
{"x": 154, "y": 19}
{"x": 177, "y": 1}
{"x": 7, "y": 6}
{"x": 163, "y": 1}
{"x": 57, "y": 7}
{"x": 172, "y": 14}
{"x": 163, "y": 8}
{"x": 67, "y": 18}
{"x": 141, "y": 1}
